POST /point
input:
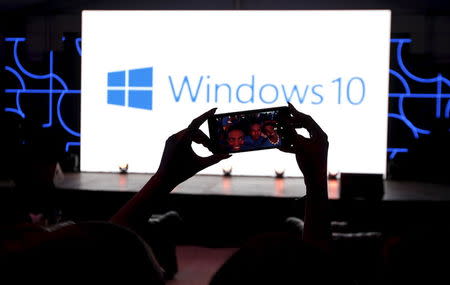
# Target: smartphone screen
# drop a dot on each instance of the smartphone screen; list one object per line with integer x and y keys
{"x": 248, "y": 130}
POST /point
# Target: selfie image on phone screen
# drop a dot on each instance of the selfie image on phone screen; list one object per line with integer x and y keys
{"x": 248, "y": 130}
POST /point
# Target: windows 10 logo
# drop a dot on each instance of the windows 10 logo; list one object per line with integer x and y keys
{"x": 132, "y": 88}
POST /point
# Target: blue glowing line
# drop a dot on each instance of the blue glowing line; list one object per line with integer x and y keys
{"x": 419, "y": 95}
{"x": 445, "y": 80}
{"x": 407, "y": 90}
{"x": 69, "y": 144}
{"x": 63, "y": 124}
{"x": 42, "y": 91}
{"x": 19, "y": 109}
{"x": 401, "y": 97}
{"x": 61, "y": 81}
{"x": 439, "y": 79}
{"x": 78, "y": 45}
{"x": 22, "y": 83}
{"x": 447, "y": 110}
{"x": 19, "y": 77}
{"x": 50, "y": 96}
{"x": 438, "y": 99}
{"x": 401, "y": 40}
{"x": 394, "y": 151}
{"x": 35, "y": 76}
{"x": 14, "y": 39}
{"x": 416, "y": 131}
{"x": 402, "y": 80}
{"x": 15, "y": 111}
{"x": 406, "y": 71}
{"x": 402, "y": 115}
{"x": 24, "y": 71}
{"x": 49, "y": 76}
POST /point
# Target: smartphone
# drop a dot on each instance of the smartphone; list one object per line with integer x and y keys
{"x": 248, "y": 130}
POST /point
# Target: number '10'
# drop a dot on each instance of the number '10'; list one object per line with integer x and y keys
{"x": 352, "y": 97}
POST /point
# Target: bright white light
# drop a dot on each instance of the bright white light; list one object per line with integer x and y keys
{"x": 333, "y": 65}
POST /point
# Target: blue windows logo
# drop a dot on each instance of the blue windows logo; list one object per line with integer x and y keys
{"x": 132, "y": 88}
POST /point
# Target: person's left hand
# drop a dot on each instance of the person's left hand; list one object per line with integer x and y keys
{"x": 179, "y": 161}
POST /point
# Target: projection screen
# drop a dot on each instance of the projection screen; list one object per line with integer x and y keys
{"x": 147, "y": 74}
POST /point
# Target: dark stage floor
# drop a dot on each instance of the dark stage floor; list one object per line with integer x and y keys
{"x": 220, "y": 209}
{"x": 248, "y": 186}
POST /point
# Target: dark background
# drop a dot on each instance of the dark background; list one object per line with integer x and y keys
{"x": 56, "y": 25}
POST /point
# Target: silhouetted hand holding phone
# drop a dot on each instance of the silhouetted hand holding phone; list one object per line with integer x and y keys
{"x": 311, "y": 154}
{"x": 179, "y": 161}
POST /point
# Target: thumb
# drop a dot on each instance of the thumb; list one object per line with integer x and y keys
{"x": 213, "y": 159}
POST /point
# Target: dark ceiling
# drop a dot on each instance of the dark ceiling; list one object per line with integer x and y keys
{"x": 441, "y": 7}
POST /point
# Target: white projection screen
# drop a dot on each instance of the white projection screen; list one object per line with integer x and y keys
{"x": 147, "y": 74}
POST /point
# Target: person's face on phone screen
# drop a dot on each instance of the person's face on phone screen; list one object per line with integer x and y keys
{"x": 255, "y": 131}
{"x": 235, "y": 139}
{"x": 269, "y": 130}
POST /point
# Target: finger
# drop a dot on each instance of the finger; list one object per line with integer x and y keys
{"x": 289, "y": 132}
{"x": 201, "y": 138}
{"x": 293, "y": 143}
{"x": 294, "y": 123}
{"x": 176, "y": 137}
{"x": 301, "y": 141}
{"x": 287, "y": 148}
{"x": 289, "y": 137}
{"x": 300, "y": 120}
{"x": 299, "y": 116}
{"x": 197, "y": 122}
{"x": 292, "y": 109}
{"x": 213, "y": 159}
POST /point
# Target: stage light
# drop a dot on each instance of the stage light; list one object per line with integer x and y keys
{"x": 279, "y": 172}
{"x": 227, "y": 170}
{"x": 332, "y": 175}
{"x": 123, "y": 168}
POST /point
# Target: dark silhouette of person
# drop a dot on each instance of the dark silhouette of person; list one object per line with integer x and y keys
{"x": 116, "y": 251}
{"x": 31, "y": 155}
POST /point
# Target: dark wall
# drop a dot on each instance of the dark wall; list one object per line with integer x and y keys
{"x": 418, "y": 126}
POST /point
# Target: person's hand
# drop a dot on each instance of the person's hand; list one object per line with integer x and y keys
{"x": 179, "y": 161}
{"x": 312, "y": 152}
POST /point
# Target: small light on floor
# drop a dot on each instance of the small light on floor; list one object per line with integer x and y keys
{"x": 227, "y": 170}
{"x": 332, "y": 175}
{"x": 279, "y": 172}
{"x": 123, "y": 168}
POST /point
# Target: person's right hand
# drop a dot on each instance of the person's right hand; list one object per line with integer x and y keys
{"x": 179, "y": 161}
{"x": 311, "y": 153}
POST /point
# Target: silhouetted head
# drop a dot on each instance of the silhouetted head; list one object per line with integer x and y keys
{"x": 278, "y": 259}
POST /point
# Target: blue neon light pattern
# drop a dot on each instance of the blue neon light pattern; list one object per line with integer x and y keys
{"x": 78, "y": 45}
{"x": 21, "y": 73}
{"x": 69, "y": 144}
{"x": 405, "y": 77}
{"x": 393, "y": 151}
{"x": 136, "y": 85}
